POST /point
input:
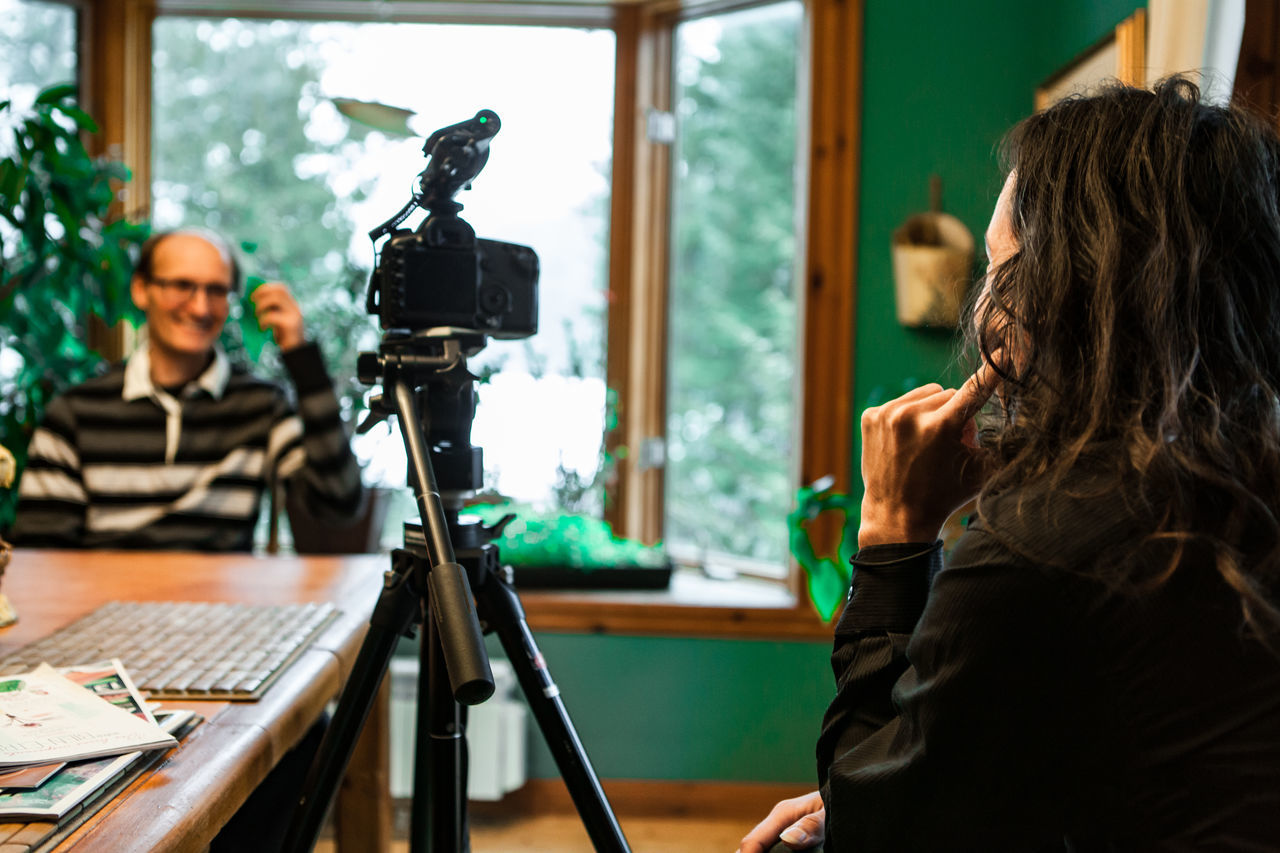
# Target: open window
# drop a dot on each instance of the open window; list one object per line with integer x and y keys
{"x": 688, "y": 178}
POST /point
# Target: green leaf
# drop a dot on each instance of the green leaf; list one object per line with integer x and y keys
{"x": 56, "y": 93}
{"x": 827, "y": 588}
{"x": 12, "y": 180}
{"x": 82, "y": 119}
{"x": 252, "y": 335}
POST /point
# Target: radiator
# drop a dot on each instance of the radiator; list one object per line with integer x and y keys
{"x": 496, "y": 733}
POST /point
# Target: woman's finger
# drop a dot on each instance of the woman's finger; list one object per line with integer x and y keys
{"x": 920, "y": 393}
{"x": 809, "y": 831}
{"x": 973, "y": 394}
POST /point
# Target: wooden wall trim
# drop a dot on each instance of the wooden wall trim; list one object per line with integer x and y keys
{"x": 586, "y": 614}
{"x": 1131, "y": 49}
{"x": 828, "y": 425}
{"x": 638, "y": 270}
{"x": 622, "y": 215}
{"x": 115, "y": 88}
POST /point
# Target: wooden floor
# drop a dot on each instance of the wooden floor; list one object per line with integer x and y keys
{"x": 560, "y": 833}
{"x": 655, "y": 816}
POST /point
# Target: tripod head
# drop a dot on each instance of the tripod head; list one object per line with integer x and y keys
{"x": 434, "y": 363}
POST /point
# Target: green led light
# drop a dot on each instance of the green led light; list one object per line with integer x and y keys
{"x": 484, "y": 119}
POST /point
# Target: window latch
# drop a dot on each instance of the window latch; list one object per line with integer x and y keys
{"x": 653, "y": 453}
{"x": 660, "y": 126}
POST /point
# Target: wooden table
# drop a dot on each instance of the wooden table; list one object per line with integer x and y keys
{"x": 181, "y": 803}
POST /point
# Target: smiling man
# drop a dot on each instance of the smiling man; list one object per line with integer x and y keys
{"x": 175, "y": 448}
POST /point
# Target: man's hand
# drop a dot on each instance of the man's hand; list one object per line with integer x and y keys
{"x": 278, "y": 311}
{"x": 918, "y": 460}
{"x": 800, "y": 823}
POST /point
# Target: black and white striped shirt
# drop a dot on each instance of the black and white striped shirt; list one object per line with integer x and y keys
{"x": 120, "y": 463}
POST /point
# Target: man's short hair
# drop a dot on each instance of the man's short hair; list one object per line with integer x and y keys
{"x": 146, "y": 258}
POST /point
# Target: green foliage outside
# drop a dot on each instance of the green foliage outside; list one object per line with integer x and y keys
{"x": 733, "y": 367}
{"x": 37, "y": 47}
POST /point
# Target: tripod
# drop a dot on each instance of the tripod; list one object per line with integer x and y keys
{"x": 429, "y": 584}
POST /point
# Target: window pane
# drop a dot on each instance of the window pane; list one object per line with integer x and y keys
{"x": 37, "y": 48}
{"x": 732, "y": 371}
{"x": 249, "y": 141}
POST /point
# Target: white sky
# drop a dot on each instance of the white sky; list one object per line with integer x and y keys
{"x": 553, "y": 90}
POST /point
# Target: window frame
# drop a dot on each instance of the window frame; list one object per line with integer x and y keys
{"x": 116, "y": 61}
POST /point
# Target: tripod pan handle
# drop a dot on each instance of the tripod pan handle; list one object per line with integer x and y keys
{"x": 460, "y": 637}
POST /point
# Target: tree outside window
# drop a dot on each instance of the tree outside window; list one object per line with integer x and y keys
{"x": 732, "y": 327}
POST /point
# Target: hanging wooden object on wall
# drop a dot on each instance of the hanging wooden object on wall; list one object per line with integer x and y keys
{"x": 932, "y": 265}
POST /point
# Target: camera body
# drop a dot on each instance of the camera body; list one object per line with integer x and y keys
{"x": 426, "y": 280}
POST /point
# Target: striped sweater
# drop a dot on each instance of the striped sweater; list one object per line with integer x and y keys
{"x": 119, "y": 463}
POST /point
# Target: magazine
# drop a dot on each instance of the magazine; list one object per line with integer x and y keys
{"x": 46, "y": 717}
{"x": 31, "y": 776}
{"x": 79, "y": 780}
{"x": 107, "y": 679}
{"x": 111, "y": 681}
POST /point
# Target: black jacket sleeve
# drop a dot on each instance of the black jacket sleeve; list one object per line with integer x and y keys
{"x": 935, "y": 739}
{"x": 317, "y": 460}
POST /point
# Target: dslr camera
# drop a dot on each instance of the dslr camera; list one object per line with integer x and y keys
{"x": 441, "y": 275}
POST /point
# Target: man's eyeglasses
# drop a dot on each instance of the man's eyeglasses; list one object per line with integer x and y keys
{"x": 182, "y": 290}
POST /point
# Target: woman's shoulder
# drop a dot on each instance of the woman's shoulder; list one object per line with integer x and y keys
{"x": 1066, "y": 524}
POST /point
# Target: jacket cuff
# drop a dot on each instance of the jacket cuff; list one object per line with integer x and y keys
{"x": 890, "y": 586}
{"x": 306, "y": 368}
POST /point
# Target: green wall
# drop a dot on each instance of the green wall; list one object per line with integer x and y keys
{"x": 665, "y": 708}
{"x": 942, "y": 82}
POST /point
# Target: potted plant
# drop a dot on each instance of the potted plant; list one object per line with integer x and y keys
{"x": 63, "y": 257}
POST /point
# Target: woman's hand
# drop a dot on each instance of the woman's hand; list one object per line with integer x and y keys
{"x": 800, "y": 823}
{"x": 919, "y": 460}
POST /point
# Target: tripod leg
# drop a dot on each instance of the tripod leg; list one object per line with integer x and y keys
{"x": 501, "y": 609}
{"x": 396, "y": 610}
{"x": 439, "y": 820}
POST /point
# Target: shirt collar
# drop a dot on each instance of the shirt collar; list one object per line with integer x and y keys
{"x": 137, "y": 375}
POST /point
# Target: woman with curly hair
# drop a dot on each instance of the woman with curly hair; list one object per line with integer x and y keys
{"x": 1097, "y": 666}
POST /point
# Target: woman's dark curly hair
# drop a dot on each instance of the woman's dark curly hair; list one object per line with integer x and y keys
{"x": 1143, "y": 305}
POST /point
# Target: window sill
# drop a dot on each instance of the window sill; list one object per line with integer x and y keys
{"x": 693, "y": 606}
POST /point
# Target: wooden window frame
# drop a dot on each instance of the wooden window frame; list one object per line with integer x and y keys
{"x": 117, "y": 54}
